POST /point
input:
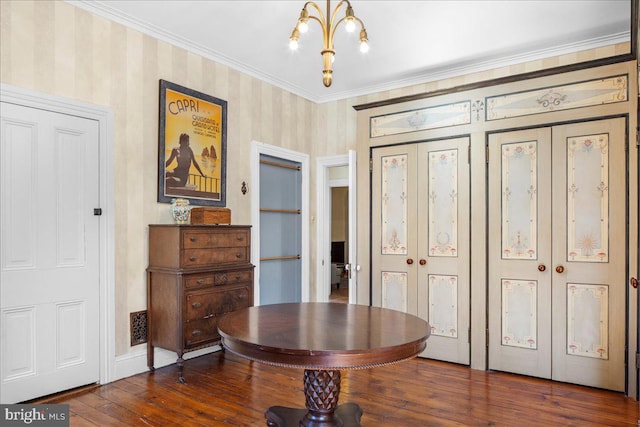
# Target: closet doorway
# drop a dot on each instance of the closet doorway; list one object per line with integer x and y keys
{"x": 280, "y": 230}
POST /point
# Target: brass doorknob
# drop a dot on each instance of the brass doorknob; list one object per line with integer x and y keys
{"x": 409, "y": 261}
{"x": 560, "y": 269}
{"x": 542, "y": 267}
{"x": 634, "y": 282}
{"x": 422, "y": 261}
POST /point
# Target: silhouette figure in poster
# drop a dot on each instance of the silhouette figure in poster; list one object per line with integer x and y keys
{"x": 179, "y": 176}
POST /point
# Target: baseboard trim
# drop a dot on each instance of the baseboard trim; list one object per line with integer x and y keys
{"x": 135, "y": 362}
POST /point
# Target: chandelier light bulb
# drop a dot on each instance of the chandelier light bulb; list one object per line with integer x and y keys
{"x": 364, "y": 41}
{"x": 303, "y": 20}
{"x": 293, "y": 40}
{"x": 350, "y": 25}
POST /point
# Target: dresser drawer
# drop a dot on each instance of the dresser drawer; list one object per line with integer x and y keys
{"x": 232, "y": 277}
{"x": 204, "y": 257}
{"x": 199, "y": 332}
{"x": 198, "y": 281}
{"x": 203, "y": 305}
{"x": 200, "y": 239}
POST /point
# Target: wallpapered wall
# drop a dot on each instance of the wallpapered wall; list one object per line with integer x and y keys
{"x": 56, "y": 48}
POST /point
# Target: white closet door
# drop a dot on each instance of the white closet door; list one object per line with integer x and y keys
{"x": 557, "y": 251}
{"x": 520, "y": 252}
{"x": 394, "y": 222}
{"x": 589, "y": 267}
{"x": 420, "y": 220}
{"x": 443, "y": 247}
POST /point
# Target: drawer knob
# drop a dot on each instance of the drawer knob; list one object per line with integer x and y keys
{"x": 200, "y": 281}
{"x": 238, "y": 255}
{"x": 238, "y": 277}
{"x": 192, "y": 258}
{"x": 196, "y": 332}
{"x": 193, "y": 239}
{"x": 196, "y": 304}
{"x": 240, "y": 238}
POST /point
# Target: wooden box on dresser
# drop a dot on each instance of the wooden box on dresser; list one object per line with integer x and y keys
{"x": 196, "y": 274}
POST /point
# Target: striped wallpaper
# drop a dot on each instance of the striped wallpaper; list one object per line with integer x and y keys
{"x": 56, "y": 48}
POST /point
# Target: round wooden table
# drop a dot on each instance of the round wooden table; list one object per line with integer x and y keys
{"x": 322, "y": 339}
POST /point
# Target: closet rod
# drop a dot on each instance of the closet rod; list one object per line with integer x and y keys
{"x": 280, "y": 165}
{"x": 290, "y": 211}
{"x": 278, "y": 258}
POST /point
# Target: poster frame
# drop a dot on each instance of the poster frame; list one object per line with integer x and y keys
{"x": 167, "y": 193}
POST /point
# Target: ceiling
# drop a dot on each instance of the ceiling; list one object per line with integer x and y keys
{"x": 411, "y": 42}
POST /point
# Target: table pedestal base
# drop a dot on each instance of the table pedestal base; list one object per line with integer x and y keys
{"x": 346, "y": 415}
{"x": 321, "y": 392}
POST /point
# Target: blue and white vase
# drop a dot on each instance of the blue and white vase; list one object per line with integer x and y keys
{"x": 180, "y": 210}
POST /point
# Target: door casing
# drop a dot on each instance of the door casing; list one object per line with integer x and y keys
{"x": 104, "y": 116}
{"x": 323, "y": 248}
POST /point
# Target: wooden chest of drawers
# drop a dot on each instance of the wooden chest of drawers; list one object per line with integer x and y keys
{"x": 196, "y": 274}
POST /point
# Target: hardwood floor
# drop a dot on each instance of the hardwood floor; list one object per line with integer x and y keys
{"x": 222, "y": 389}
{"x": 341, "y": 293}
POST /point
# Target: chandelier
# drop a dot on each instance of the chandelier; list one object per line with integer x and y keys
{"x": 328, "y": 30}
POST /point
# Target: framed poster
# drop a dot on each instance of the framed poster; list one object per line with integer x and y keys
{"x": 192, "y": 146}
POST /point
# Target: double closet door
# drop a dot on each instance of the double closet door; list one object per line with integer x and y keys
{"x": 420, "y": 239}
{"x": 557, "y": 250}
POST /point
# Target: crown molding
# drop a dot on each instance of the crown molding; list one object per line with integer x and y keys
{"x": 102, "y": 8}
{"x": 470, "y": 67}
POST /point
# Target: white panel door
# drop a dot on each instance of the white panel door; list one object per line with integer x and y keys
{"x": 394, "y": 228}
{"x": 420, "y": 235}
{"x": 557, "y": 253}
{"x": 49, "y": 291}
{"x": 520, "y": 252}
{"x": 444, "y": 248}
{"x": 352, "y": 266}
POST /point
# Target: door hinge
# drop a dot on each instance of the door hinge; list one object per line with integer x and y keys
{"x": 97, "y": 211}
{"x": 638, "y": 136}
{"x": 469, "y": 335}
{"x": 487, "y": 337}
{"x": 486, "y": 154}
{"x": 370, "y": 165}
{"x": 637, "y": 360}
{"x": 469, "y": 154}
